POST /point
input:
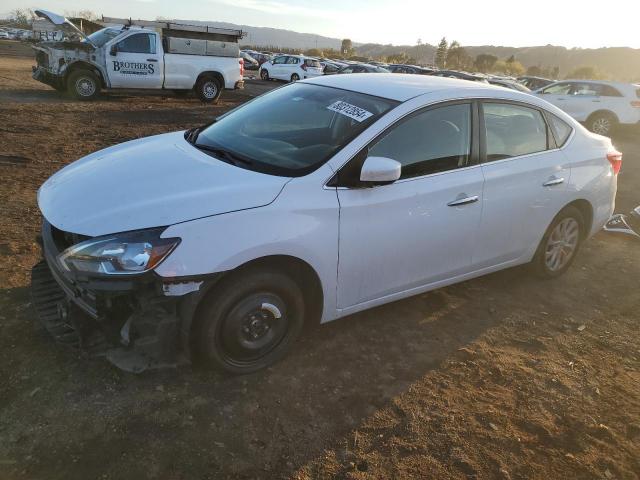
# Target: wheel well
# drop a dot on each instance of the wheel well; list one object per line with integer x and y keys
{"x": 601, "y": 112}
{"x": 80, "y": 65}
{"x": 217, "y": 75}
{"x": 299, "y": 270}
{"x": 586, "y": 210}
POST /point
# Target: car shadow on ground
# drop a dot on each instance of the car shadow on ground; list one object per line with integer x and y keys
{"x": 276, "y": 420}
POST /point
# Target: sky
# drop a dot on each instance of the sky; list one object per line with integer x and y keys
{"x": 568, "y": 23}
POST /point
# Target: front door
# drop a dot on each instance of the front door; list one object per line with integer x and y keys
{"x": 420, "y": 229}
{"x": 136, "y": 61}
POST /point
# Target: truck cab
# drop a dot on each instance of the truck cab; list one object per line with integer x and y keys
{"x": 141, "y": 55}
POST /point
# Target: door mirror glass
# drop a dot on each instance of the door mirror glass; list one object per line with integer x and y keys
{"x": 380, "y": 170}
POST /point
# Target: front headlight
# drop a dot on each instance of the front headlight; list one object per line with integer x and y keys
{"x": 120, "y": 254}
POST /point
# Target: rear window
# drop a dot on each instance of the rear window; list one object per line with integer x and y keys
{"x": 561, "y": 130}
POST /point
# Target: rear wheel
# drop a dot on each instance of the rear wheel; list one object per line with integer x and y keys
{"x": 249, "y": 322}
{"x": 208, "y": 89}
{"x": 560, "y": 244}
{"x": 264, "y": 74}
{"x": 83, "y": 85}
{"x": 602, "y": 123}
{"x": 295, "y": 77}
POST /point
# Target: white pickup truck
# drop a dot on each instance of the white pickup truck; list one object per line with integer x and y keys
{"x": 141, "y": 55}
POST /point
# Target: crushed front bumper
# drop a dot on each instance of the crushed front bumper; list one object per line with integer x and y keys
{"x": 136, "y": 324}
{"x": 42, "y": 75}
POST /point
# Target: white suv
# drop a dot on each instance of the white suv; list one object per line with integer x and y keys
{"x": 599, "y": 105}
{"x": 312, "y": 202}
{"x": 290, "y": 68}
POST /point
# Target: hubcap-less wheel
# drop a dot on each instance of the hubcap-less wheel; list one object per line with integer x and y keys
{"x": 264, "y": 75}
{"x": 85, "y": 86}
{"x": 562, "y": 244}
{"x": 209, "y": 89}
{"x": 601, "y": 125}
{"x": 295, "y": 77}
{"x": 252, "y": 328}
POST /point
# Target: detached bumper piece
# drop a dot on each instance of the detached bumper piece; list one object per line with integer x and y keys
{"x": 134, "y": 340}
{"x": 42, "y": 75}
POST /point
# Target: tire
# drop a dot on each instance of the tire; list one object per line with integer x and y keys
{"x": 264, "y": 74}
{"x": 602, "y": 123}
{"x": 248, "y": 322}
{"x": 83, "y": 85}
{"x": 208, "y": 89}
{"x": 568, "y": 227}
{"x": 295, "y": 77}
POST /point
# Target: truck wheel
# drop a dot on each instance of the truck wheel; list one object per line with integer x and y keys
{"x": 560, "y": 244}
{"x": 264, "y": 74}
{"x": 248, "y": 322}
{"x": 83, "y": 85}
{"x": 208, "y": 89}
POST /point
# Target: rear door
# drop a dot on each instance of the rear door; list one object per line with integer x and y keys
{"x": 526, "y": 182}
{"x": 136, "y": 61}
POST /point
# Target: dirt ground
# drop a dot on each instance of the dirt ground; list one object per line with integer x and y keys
{"x": 505, "y": 376}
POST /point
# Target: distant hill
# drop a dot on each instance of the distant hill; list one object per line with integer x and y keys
{"x": 618, "y": 63}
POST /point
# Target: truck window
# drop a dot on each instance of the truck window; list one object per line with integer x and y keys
{"x": 138, "y": 43}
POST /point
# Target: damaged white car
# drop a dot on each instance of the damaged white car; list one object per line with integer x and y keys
{"x": 314, "y": 201}
{"x": 140, "y": 55}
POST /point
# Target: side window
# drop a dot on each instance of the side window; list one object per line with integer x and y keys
{"x": 558, "y": 89}
{"x": 561, "y": 130}
{"x": 279, "y": 60}
{"x": 292, "y": 60}
{"x": 608, "y": 91}
{"x": 584, "y": 89}
{"x": 138, "y": 43}
{"x": 347, "y": 70}
{"x": 431, "y": 141}
{"x": 513, "y": 130}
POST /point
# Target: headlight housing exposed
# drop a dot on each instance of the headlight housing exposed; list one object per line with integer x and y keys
{"x": 120, "y": 254}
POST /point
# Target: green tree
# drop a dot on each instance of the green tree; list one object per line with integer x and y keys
{"x": 441, "y": 53}
{"x": 314, "y": 52}
{"x": 458, "y": 58}
{"x": 586, "y": 72}
{"x": 484, "y": 63}
{"x": 534, "y": 71}
{"x": 347, "y": 47}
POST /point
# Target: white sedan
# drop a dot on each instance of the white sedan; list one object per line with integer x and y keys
{"x": 312, "y": 202}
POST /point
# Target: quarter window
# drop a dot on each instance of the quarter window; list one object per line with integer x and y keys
{"x": 431, "y": 141}
{"x": 561, "y": 130}
{"x": 513, "y": 130}
{"x": 138, "y": 43}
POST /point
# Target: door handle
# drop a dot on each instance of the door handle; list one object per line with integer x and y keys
{"x": 152, "y": 59}
{"x": 463, "y": 201}
{"x": 553, "y": 181}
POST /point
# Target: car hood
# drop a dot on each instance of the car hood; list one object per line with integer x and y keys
{"x": 150, "y": 182}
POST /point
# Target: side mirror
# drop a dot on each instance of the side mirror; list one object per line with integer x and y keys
{"x": 114, "y": 50}
{"x": 380, "y": 170}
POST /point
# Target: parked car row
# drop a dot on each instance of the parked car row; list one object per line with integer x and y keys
{"x": 15, "y": 34}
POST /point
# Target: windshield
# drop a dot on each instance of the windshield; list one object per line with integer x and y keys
{"x": 293, "y": 130}
{"x": 101, "y": 37}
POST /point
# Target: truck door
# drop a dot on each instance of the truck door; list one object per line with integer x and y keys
{"x": 136, "y": 61}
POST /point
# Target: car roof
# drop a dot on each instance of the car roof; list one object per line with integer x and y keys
{"x": 402, "y": 87}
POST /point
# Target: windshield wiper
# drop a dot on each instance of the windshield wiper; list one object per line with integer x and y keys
{"x": 226, "y": 155}
{"x": 191, "y": 135}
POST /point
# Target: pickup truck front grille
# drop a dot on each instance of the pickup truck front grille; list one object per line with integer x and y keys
{"x": 42, "y": 59}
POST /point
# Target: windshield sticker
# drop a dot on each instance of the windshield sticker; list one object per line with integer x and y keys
{"x": 351, "y": 111}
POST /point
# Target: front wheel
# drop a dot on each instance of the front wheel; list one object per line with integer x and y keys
{"x": 560, "y": 244}
{"x": 83, "y": 85}
{"x": 249, "y": 322}
{"x": 264, "y": 74}
{"x": 602, "y": 123}
{"x": 208, "y": 89}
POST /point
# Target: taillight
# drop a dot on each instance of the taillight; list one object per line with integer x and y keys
{"x": 635, "y": 103}
{"x": 241, "y": 67}
{"x": 615, "y": 159}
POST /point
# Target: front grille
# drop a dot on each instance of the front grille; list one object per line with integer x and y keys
{"x": 42, "y": 59}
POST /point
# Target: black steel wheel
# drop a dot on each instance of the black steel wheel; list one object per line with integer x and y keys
{"x": 248, "y": 322}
